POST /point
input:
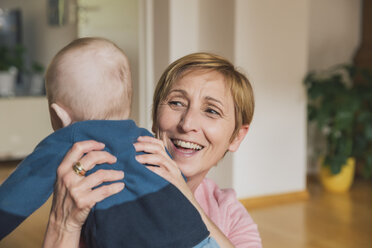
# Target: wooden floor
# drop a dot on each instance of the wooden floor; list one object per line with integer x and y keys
{"x": 324, "y": 221}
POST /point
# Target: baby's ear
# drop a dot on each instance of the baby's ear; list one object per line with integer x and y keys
{"x": 59, "y": 116}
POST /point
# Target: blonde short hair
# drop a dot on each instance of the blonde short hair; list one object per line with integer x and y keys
{"x": 69, "y": 79}
{"x": 240, "y": 87}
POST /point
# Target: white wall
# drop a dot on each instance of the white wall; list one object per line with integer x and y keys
{"x": 216, "y": 27}
{"x": 24, "y": 122}
{"x": 271, "y": 46}
{"x": 161, "y": 37}
{"x": 184, "y": 27}
{"x": 334, "y": 32}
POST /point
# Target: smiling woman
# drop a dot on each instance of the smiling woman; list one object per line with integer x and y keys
{"x": 202, "y": 109}
{"x": 195, "y": 112}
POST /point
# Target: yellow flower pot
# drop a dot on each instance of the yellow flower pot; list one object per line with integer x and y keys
{"x": 340, "y": 182}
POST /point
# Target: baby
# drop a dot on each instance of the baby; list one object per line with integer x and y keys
{"x": 88, "y": 86}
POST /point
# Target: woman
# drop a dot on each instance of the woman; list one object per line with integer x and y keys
{"x": 202, "y": 109}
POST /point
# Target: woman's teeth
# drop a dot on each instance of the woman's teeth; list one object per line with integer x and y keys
{"x": 187, "y": 145}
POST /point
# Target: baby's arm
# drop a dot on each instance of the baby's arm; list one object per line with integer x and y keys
{"x": 31, "y": 184}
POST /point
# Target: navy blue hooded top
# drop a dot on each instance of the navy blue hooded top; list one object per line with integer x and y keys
{"x": 149, "y": 212}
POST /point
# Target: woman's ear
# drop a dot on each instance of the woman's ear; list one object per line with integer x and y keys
{"x": 59, "y": 116}
{"x": 239, "y": 138}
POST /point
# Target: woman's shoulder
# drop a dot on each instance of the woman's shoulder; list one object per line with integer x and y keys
{"x": 217, "y": 201}
{"x": 209, "y": 189}
{"x": 226, "y": 211}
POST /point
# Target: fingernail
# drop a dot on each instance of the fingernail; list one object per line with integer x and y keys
{"x": 120, "y": 186}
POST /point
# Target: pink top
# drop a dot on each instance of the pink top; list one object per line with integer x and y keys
{"x": 224, "y": 209}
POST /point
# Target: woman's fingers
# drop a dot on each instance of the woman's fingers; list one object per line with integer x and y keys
{"x": 87, "y": 162}
{"x": 84, "y": 197}
{"x": 99, "y": 177}
{"x": 149, "y": 146}
{"x": 104, "y": 191}
{"x": 167, "y": 168}
{"x": 96, "y": 157}
{"x": 88, "y": 198}
{"x": 77, "y": 151}
{"x": 156, "y": 154}
{"x": 83, "y": 187}
{"x": 150, "y": 139}
{"x": 174, "y": 177}
{"x": 153, "y": 159}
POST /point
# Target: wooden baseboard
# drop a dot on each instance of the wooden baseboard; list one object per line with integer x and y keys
{"x": 270, "y": 200}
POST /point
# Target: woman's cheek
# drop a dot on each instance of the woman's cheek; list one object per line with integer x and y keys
{"x": 168, "y": 119}
{"x": 213, "y": 129}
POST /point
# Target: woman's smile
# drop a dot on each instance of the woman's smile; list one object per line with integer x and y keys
{"x": 184, "y": 148}
{"x": 182, "y": 144}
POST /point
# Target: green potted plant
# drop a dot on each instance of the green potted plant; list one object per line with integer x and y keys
{"x": 340, "y": 103}
{"x": 11, "y": 62}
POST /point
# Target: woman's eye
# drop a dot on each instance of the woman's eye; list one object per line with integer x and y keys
{"x": 213, "y": 112}
{"x": 175, "y": 103}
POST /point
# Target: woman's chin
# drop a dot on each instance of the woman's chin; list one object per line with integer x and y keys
{"x": 186, "y": 170}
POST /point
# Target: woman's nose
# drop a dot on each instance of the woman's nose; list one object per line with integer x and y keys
{"x": 189, "y": 121}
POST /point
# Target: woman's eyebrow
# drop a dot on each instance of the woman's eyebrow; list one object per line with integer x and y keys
{"x": 209, "y": 98}
{"x": 183, "y": 92}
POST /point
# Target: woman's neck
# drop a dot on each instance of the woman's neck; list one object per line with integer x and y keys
{"x": 194, "y": 182}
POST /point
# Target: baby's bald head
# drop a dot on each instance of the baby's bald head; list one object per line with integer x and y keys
{"x": 90, "y": 79}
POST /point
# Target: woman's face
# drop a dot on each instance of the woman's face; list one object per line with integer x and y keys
{"x": 196, "y": 121}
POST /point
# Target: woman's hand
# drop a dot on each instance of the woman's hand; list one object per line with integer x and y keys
{"x": 73, "y": 194}
{"x": 157, "y": 155}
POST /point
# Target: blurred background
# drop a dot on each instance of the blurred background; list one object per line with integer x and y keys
{"x": 276, "y": 43}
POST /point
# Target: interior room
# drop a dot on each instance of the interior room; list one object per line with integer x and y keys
{"x": 277, "y": 170}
